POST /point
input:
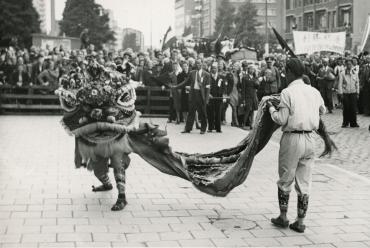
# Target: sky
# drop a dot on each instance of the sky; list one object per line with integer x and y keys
{"x": 144, "y": 15}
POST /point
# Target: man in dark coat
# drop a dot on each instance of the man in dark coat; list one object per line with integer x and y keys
{"x": 271, "y": 83}
{"x": 214, "y": 105}
{"x": 37, "y": 68}
{"x": 325, "y": 79}
{"x": 199, "y": 96}
{"x": 364, "y": 76}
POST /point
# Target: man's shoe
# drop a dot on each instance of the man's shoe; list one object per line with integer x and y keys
{"x": 202, "y": 132}
{"x": 103, "y": 187}
{"x": 356, "y": 125}
{"x": 280, "y": 222}
{"x": 210, "y": 131}
{"x": 344, "y": 126}
{"x": 297, "y": 227}
{"x": 185, "y": 131}
{"x": 219, "y": 131}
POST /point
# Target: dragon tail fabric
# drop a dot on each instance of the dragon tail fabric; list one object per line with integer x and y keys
{"x": 214, "y": 173}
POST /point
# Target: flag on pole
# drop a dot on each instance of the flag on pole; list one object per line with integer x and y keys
{"x": 284, "y": 45}
{"x": 169, "y": 43}
{"x": 165, "y": 37}
{"x": 365, "y": 42}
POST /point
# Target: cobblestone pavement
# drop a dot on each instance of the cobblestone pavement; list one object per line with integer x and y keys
{"x": 45, "y": 202}
{"x": 353, "y": 144}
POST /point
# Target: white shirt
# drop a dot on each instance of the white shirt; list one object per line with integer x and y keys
{"x": 300, "y": 107}
{"x": 198, "y": 79}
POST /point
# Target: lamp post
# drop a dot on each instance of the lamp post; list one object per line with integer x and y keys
{"x": 266, "y": 29}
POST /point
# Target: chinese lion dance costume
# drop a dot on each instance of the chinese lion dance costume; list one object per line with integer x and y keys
{"x": 99, "y": 110}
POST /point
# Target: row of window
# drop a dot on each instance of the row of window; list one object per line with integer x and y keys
{"x": 292, "y": 4}
{"x": 320, "y": 20}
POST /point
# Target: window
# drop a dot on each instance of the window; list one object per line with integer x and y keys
{"x": 287, "y": 4}
{"x": 308, "y": 22}
{"x": 321, "y": 19}
{"x": 344, "y": 18}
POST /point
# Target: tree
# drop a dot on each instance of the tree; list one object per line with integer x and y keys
{"x": 18, "y": 19}
{"x": 78, "y": 15}
{"x": 129, "y": 41}
{"x": 246, "y": 23}
{"x": 224, "y": 20}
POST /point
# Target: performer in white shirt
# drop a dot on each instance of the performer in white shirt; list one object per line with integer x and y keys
{"x": 299, "y": 114}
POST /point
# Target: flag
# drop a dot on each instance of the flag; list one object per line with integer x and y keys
{"x": 169, "y": 43}
{"x": 283, "y": 44}
{"x": 365, "y": 42}
{"x": 165, "y": 36}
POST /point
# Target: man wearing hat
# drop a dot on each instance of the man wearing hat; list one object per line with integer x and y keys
{"x": 299, "y": 114}
{"x": 271, "y": 78}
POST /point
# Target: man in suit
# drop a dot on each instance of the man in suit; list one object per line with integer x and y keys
{"x": 37, "y": 68}
{"x": 199, "y": 81}
{"x": 364, "y": 76}
{"x": 214, "y": 106}
{"x": 326, "y": 78}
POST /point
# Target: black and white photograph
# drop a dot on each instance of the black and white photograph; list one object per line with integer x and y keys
{"x": 184, "y": 123}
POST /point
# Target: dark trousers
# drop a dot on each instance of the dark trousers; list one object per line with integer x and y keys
{"x": 349, "y": 109}
{"x": 327, "y": 95}
{"x": 214, "y": 114}
{"x": 196, "y": 104}
{"x": 171, "y": 111}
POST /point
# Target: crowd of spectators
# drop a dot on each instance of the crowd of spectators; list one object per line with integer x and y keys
{"x": 235, "y": 86}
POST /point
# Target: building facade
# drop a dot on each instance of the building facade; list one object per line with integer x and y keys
{"x": 184, "y": 17}
{"x": 117, "y": 44}
{"x": 328, "y": 16}
{"x": 40, "y": 6}
{"x": 203, "y": 14}
{"x": 138, "y": 35}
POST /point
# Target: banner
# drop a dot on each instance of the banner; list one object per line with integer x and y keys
{"x": 365, "y": 41}
{"x": 311, "y": 42}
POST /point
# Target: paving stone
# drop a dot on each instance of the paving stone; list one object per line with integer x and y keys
{"x": 208, "y": 234}
{"x": 349, "y": 237}
{"x": 196, "y": 243}
{"x": 293, "y": 241}
{"x": 21, "y": 245}
{"x": 142, "y": 237}
{"x": 154, "y": 227}
{"x": 350, "y": 245}
{"x": 93, "y": 244}
{"x": 175, "y": 235}
{"x": 185, "y": 227}
{"x": 10, "y": 238}
{"x": 262, "y": 242}
{"x": 35, "y": 238}
{"x": 108, "y": 237}
{"x": 91, "y": 229}
{"x": 23, "y": 229}
{"x": 163, "y": 244}
{"x": 65, "y": 237}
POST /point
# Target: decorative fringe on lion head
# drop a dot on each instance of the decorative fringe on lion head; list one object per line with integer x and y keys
{"x": 98, "y": 100}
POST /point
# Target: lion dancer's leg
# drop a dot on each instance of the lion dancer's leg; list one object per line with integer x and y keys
{"x": 120, "y": 165}
{"x": 101, "y": 172}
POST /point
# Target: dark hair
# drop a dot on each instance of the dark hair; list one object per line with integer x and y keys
{"x": 295, "y": 66}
